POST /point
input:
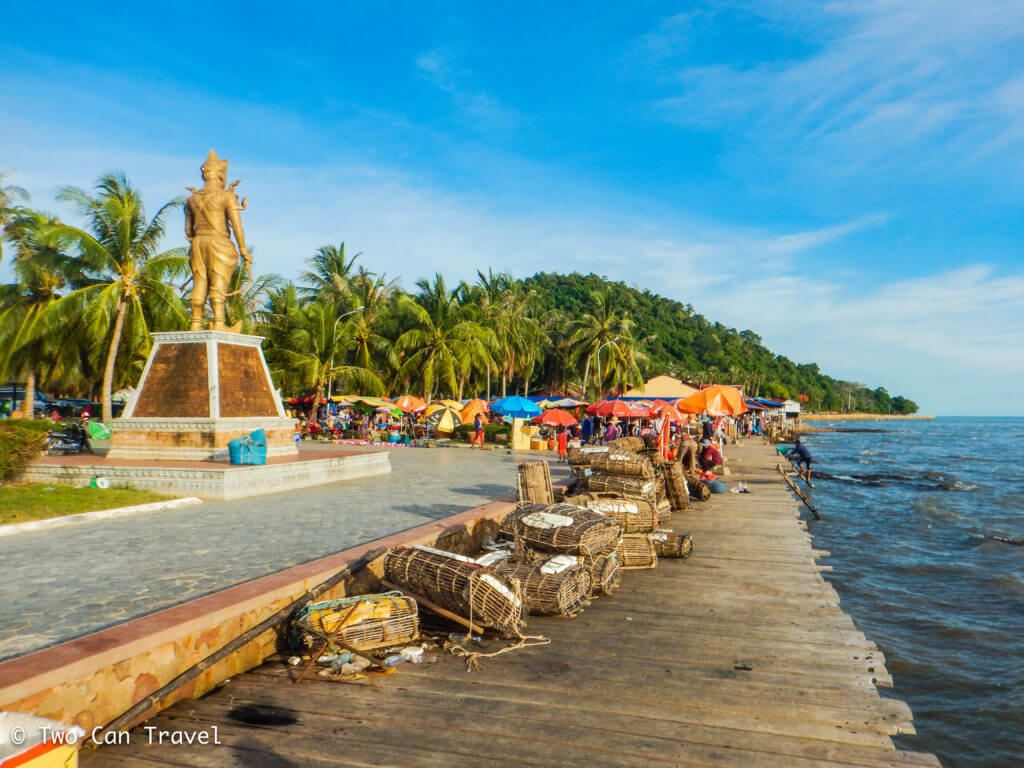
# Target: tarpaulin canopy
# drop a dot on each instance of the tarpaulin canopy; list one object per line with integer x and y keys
{"x": 472, "y": 408}
{"x": 716, "y": 400}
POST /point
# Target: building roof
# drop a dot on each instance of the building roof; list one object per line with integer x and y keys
{"x": 663, "y": 387}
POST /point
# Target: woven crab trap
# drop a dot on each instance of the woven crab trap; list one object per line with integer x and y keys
{"x": 676, "y": 489}
{"x": 605, "y": 575}
{"x": 634, "y": 515}
{"x": 561, "y": 528}
{"x": 627, "y": 487}
{"x": 534, "y": 483}
{"x": 668, "y": 543}
{"x": 555, "y": 586}
{"x": 617, "y": 462}
{"x": 698, "y": 488}
{"x": 637, "y": 551}
{"x": 362, "y": 622}
{"x": 458, "y": 584}
{"x": 664, "y": 510}
{"x": 581, "y": 457}
{"x": 627, "y": 443}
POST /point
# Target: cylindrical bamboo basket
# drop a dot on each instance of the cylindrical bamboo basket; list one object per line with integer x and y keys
{"x": 698, "y": 488}
{"x": 628, "y": 487}
{"x": 676, "y": 489}
{"x": 555, "y": 586}
{"x": 627, "y": 443}
{"x": 636, "y": 551}
{"x": 604, "y": 570}
{"x": 624, "y": 463}
{"x": 664, "y": 511}
{"x": 668, "y": 543}
{"x": 362, "y": 622}
{"x": 634, "y": 515}
{"x": 561, "y": 528}
{"x": 581, "y": 457}
{"x": 534, "y": 482}
{"x": 458, "y": 584}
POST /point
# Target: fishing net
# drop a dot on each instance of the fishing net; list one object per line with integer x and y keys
{"x": 362, "y": 622}
{"x": 668, "y": 543}
{"x": 561, "y": 528}
{"x": 636, "y": 551}
{"x": 534, "y": 483}
{"x": 458, "y": 584}
{"x": 618, "y": 462}
{"x": 555, "y": 586}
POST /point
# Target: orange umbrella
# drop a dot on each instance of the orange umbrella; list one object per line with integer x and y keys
{"x": 555, "y": 417}
{"x": 472, "y": 408}
{"x": 716, "y": 400}
{"x": 667, "y": 410}
{"x": 408, "y": 404}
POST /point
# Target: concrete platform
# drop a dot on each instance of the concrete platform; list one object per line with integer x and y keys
{"x": 218, "y": 480}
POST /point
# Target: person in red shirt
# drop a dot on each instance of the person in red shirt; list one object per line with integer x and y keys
{"x": 709, "y": 456}
{"x": 563, "y": 446}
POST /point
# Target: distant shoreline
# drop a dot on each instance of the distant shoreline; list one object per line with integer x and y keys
{"x": 862, "y": 417}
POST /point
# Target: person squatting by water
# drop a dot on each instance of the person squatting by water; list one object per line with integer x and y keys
{"x": 801, "y": 457}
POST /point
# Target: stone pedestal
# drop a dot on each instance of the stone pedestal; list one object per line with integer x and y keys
{"x": 199, "y": 390}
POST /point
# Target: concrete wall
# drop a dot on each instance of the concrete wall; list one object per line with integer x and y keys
{"x": 93, "y": 679}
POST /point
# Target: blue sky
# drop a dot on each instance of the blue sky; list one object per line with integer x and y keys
{"x": 844, "y": 178}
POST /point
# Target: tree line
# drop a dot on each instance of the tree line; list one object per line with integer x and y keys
{"x": 77, "y": 319}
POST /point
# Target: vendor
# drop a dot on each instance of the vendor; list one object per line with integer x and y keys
{"x": 709, "y": 456}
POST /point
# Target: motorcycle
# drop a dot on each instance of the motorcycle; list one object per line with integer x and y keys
{"x": 73, "y": 439}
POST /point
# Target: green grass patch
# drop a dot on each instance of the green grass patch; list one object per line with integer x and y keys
{"x": 23, "y": 502}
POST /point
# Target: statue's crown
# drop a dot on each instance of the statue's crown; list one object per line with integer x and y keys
{"x": 214, "y": 163}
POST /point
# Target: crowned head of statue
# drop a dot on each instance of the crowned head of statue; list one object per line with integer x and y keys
{"x": 215, "y": 171}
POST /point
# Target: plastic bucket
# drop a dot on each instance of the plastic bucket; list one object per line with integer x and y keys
{"x": 718, "y": 486}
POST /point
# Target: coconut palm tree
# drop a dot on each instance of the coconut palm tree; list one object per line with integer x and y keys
{"x": 444, "y": 337}
{"x": 372, "y": 350}
{"x": 125, "y": 276}
{"x": 330, "y": 274}
{"x": 317, "y": 344}
{"x": 25, "y": 344}
{"x": 245, "y": 298}
{"x": 606, "y": 330}
{"x": 9, "y": 197}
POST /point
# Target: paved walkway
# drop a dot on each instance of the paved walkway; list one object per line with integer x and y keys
{"x": 59, "y": 584}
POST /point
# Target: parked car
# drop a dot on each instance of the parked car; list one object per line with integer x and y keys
{"x": 16, "y": 393}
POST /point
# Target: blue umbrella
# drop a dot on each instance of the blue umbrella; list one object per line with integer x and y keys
{"x": 517, "y": 407}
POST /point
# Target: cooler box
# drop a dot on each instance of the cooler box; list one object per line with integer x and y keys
{"x": 251, "y": 449}
{"x": 43, "y": 743}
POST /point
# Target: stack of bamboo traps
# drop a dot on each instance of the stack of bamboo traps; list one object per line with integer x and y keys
{"x": 580, "y": 459}
{"x": 561, "y": 529}
{"x": 458, "y": 584}
{"x": 554, "y": 586}
{"x": 634, "y": 515}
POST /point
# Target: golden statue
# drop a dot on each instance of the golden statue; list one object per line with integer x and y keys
{"x": 211, "y": 214}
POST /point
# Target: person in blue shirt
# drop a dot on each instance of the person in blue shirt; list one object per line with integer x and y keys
{"x": 586, "y": 429}
{"x": 801, "y": 457}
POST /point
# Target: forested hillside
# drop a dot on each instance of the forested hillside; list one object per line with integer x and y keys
{"x": 688, "y": 345}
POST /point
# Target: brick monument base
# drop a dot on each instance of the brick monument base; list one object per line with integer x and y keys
{"x": 199, "y": 390}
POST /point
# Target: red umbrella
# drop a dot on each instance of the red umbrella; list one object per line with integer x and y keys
{"x": 555, "y": 417}
{"x": 613, "y": 408}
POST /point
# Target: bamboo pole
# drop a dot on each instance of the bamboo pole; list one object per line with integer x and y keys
{"x": 797, "y": 491}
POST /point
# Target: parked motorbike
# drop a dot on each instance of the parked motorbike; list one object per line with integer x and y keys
{"x": 72, "y": 439}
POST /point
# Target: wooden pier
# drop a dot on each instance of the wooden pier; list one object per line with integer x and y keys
{"x": 738, "y": 656}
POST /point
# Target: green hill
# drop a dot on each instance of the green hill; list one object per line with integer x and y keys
{"x": 688, "y": 345}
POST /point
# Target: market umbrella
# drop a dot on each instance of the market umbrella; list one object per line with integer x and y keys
{"x": 472, "y": 408}
{"x": 408, "y": 404}
{"x": 450, "y": 403}
{"x": 667, "y": 411}
{"x": 612, "y": 408}
{"x": 716, "y": 400}
{"x": 516, "y": 407}
{"x": 442, "y": 418}
{"x": 567, "y": 402}
{"x": 555, "y": 417}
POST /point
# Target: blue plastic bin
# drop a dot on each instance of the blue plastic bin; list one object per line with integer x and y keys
{"x": 718, "y": 486}
{"x": 251, "y": 449}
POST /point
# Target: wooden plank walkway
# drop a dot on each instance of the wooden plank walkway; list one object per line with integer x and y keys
{"x": 738, "y": 656}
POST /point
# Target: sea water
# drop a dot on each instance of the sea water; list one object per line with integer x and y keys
{"x": 907, "y": 514}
